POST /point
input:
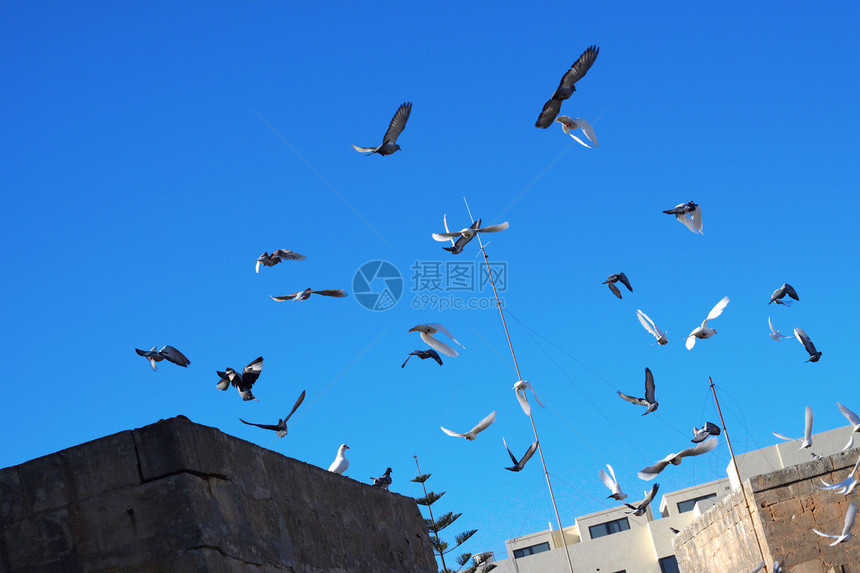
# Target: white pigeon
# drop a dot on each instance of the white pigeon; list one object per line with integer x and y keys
{"x": 774, "y": 333}
{"x": 705, "y": 331}
{"x": 649, "y": 325}
{"x": 845, "y": 486}
{"x": 806, "y": 442}
{"x": 651, "y": 472}
{"x": 612, "y": 484}
{"x": 427, "y": 330}
{"x": 340, "y": 462}
{"x": 569, "y": 124}
{"x": 473, "y": 433}
{"x": 855, "y": 421}
{"x": 846, "y": 529}
{"x": 520, "y": 390}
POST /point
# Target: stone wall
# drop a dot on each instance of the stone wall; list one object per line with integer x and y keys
{"x": 179, "y": 496}
{"x": 786, "y": 506}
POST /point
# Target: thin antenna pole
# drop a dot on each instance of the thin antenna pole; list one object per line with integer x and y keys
{"x": 737, "y": 471}
{"x": 519, "y": 377}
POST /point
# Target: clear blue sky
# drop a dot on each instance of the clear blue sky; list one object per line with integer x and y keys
{"x": 140, "y": 183}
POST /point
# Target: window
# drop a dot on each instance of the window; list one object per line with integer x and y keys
{"x": 531, "y": 550}
{"x": 685, "y": 506}
{"x": 669, "y": 565}
{"x": 608, "y": 528}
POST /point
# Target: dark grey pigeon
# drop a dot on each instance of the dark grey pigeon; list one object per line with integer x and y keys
{"x": 302, "y": 295}
{"x": 384, "y": 480}
{"x": 566, "y": 87}
{"x": 281, "y": 426}
{"x": 613, "y": 278}
{"x": 457, "y": 246}
{"x": 649, "y": 399}
{"x": 167, "y": 352}
{"x": 276, "y": 257}
{"x": 242, "y": 381}
{"x": 520, "y": 464}
{"x": 778, "y": 294}
{"x": 389, "y": 142}
{"x": 424, "y": 354}
{"x": 643, "y": 505}
{"x": 814, "y": 355}
{"x": 701, "y": 434}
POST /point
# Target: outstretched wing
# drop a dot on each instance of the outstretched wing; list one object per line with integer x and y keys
{"x": 296, "y": 406}
{"x": 718, "y": 309}
{"x": 252, "y": 372}
{"x": 367, "y": 150}
{"x": 549, "y": 112}
{"x": 444, "y": 331}
{"x": 632, "y": 400}
{"x": 264, "y": 426}
{"x": 452, "y": 433}
{"x": 513, "y": 459}
{"x": 529, "y": 453}
{"x": 285, "y": 297}
{"x": 398, "y": 122}
{"x": 807, "y": 424}
{"x": 852, "y": 417}
{"x": 174, "y": 356}
{"x": 484, "y": 424}
{"x": 699, "y": 449}
{"x": 649, "y": 386}
{"x": 289, "y": 255}
{"x": 608, "y": 481}
{"x": 623, "y": 278}
{"x": 789, "y": 290}
{"x": 651, "y": 472}
{"x": 647, "y": 323}
{"x": 331, "y": 292}
{"x": 577, "y": 71}
{"x": 438, "y": 345}
{"x": 494, "y": 228}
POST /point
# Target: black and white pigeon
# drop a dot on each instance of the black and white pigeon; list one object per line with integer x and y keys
{"x": 779, "y": 294}
{"x": 281, "y": 426}
{"x": 423, "y": 354}
{"x": 613, "y": 278}
{"x": 566, "y": 87}
{"x": 302, "y": 295}
{"x": 612, "y": 484}
{"x": 675, "y": 459}
{"x": 276, "y": 257}
{"x": 640, "y": 509}
{"x": 846, "y": 529}
{"x": 701, "y": 434}
{"x": 690, "y": 214}
{"x": 520, "y": 464}
{"x": 466, "y": 234}
{"x": 427, "y": 330}
{"x": 389, "y": 141}
{"x": 457, "y": 246}
{"x": 242, "y": 381}
{"x": 814, "y": 355}
{"x": 649, "y": 400}
{"x": 384, "y": 480}
{"x": 166, "y": 353}
{"x": 473, "y": 433}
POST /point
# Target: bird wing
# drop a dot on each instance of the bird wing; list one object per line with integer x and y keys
{"x": 849, "y": 519}
{"x": 447, "y": 230}
{"x": 331, "y": 292}
{"x": 296, "y": 406}
{"x": 632, "y": 400}
{"x": 807, "y": 424}
{"x": 718, "y": 309}
{"x": 587, "y": 130}
{"x": 174, "y": 356}
{"x": 224, "y": 383}
{"x": 804, "y": 340}
{"x": 365, "y": 150}
{"x": 528, "y": 455}
{"x": 649, "y": 386}
{"x": 264, "y": 426}
{"x": 852, "y": 417}
{"x": 699, "y": 449}
{"x": 443, "y": 330}
{"x": 608, "y": 481}
{"x": 770, "y": 324}
{"x": 713, "y": 429}
{"x": 398, "y": 122}
{"x": 781, "y": 437}
{"x": 650, "y": 497}
{"x": 614, "y": 289}
{"x": 647, "y": 323}
{"x": 524, "y": 402}
{"x": 548, "y": 113}
{"x": 438, "y": 345}
{"x": 442, "y": 237}
{"x": 578, "y": 69}
{"x": 452, "y": 433}
{"x": 623, "y": 278}
{"x": 687, "y": 222}
{"x": 288, "y": 255}
{"x": 494, "y": 228}
{"x": 251, "y": 372}
{"x": 411, "y": 354}
{"x": 789, "y": 290}
{"x": 513, "y": 459}
{"x": 285, "y": 297}
{"x": 691, "y": 341}
{"x": 435, "y": 356}
{"x": 822, "y": 534}
{"x": 651, "y": 472}
{"x": 483, "y": 424}
{"x": 582, "y": 143}
{"x": 697, "y": 218}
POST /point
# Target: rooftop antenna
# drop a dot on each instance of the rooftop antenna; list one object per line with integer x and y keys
{"x": 519, "y": 377}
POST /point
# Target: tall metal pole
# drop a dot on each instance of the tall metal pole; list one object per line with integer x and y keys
{"x": 519, "y": 377}
{"x": 737, "y": 471}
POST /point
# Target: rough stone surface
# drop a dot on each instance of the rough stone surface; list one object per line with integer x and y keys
{"x": 178, "y": 496}
{"x": 785, "y": 505}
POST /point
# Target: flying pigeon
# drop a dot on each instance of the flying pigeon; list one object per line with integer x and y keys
{"x": 613, "y": 278}
{"x": 681, "y": 212}
{"x": 520, "y": 391}
{"x": 340, "y": 462}
{"x": 467, "y": 234}
{"x": 422, "y": 354}
{"x": 774, "y": 333}
{"x": 302, "y": 295}
{"x": 806, "y": 441}
{"x": 847, "y": 485}
{"x": 675, "y": 459}
{"x": 382, "y": 481}
{"x": 649, "y": 325}
{"x": 244, "y": 381}
{"x": 457, "y": 246}
{"x": 649, "y": 401}
{"x": 612, "y": 484}
{"x": 276, "y": 257}
{"x": 389, "y": 142}
{"x": 281, "y": 426}
{"x": 709, "y": 429}
{"x": 778, "y": 294}
{"x": 814, "y": 355}
{"x": 519, "y": 465}
{"x": 432, "y": 328}
{"x": 571, "y": 124}
{"x": 166, "y": 353}
{"x": 854, "y": 419}
{"x": 846, "y": 529}
{"x": 566, "y": 87}
{"x": 473, "y": 433}
{"x": 643, "y": 505}
{"x": 705, "y": 331}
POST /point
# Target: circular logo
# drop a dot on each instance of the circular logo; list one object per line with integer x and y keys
{"x": 377, "y": 285}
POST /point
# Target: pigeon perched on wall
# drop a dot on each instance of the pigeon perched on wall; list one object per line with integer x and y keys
{"x": 340, "y": 462}
{"x": 384, "y": 480}
{"x": 166, "y": 353}
{"x": 242, "y": 381}
{"x": 566, "y": 87}
{"x": 395, "y": 128}
{"x": 281, "y": 426}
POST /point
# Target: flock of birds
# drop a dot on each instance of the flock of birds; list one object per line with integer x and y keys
{"x": 689, "y": 214}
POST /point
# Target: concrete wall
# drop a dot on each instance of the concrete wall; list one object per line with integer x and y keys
{"x": 785, "y": 508}
{"x": 178, "y": 496}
